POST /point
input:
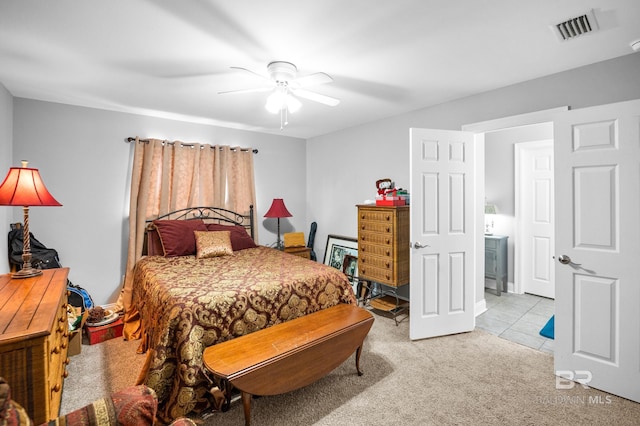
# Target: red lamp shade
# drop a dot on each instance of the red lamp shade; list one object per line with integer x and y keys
{"x": 24, "y": 187}
{"x": 277, "y": 209}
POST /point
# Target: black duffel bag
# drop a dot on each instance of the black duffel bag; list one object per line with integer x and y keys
{"x": 41, "y": 256}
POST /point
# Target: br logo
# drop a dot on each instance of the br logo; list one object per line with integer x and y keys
{"x": 566, "y": 379}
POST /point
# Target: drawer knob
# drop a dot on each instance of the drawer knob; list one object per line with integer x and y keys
{"x": 56, "y": 388}
{"x": 388, "y": 253}
{"x": 388, "y": 218}
{"x": 363, "y": 260}
{"x": 65, "y": 374}
{"x": 388, "y": 265}
{"x": 55, "y": 350}
{"x": 388, "y": 229}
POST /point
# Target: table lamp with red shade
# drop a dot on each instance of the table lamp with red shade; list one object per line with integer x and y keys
{"x": 24, "y": 187}
{"x": 278, "y": 210}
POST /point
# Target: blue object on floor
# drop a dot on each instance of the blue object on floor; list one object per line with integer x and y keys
{"x": 547, "y": 330}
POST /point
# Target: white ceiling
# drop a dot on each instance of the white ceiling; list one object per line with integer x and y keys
{"x": 171, "y": 58}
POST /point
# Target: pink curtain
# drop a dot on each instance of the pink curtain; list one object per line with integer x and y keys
{"x": 168, "y": 176}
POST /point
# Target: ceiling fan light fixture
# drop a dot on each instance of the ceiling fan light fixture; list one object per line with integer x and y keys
{"x": 275, "y": 102}
{"x": 280, "y": 100}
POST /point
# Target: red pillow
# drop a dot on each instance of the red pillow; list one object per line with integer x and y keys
{"x": 240, "y": 240}
{"x": 177, "y": 236}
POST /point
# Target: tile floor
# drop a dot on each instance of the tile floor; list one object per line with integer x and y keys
{"x": 517, "y": 317}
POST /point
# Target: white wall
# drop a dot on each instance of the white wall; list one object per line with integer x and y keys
{"x": 85, "y": 164}
{"x": 6, "y": 148}
{"x": 342, "y": 167}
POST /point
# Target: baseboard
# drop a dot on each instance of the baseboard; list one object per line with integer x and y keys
{"x": 481, "y": 307}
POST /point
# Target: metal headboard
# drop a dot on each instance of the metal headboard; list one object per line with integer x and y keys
{"x": 212, "y": 215}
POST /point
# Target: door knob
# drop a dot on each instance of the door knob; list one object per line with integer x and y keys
{"x": 419, "y": 246}
{"x": 566, "y": 260}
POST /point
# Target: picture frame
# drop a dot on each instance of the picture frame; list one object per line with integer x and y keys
{"x": 342, "y": 253}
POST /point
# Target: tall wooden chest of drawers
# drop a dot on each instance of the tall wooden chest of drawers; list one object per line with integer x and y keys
{"x": 383, "y": 244}
{"x": 34, "y": 337}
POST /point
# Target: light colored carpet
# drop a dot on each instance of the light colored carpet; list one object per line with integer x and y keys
{"x": 471, "y": 378}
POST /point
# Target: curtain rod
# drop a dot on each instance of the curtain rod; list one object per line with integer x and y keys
{"x": 131, "y": 139}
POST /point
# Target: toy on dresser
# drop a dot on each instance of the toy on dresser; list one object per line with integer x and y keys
{"x": 389, "y": 195}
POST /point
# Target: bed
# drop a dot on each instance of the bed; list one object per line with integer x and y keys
{"x": 192, "y": 291}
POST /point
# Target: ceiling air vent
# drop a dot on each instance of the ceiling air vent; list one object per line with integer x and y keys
{"x": 575, "y": 27}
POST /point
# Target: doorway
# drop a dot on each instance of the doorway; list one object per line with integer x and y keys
{"x": 488, "y": 133}
{"x": 504, "y": 180}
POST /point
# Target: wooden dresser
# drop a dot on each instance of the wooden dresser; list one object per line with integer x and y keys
{"x": 383, "y": 244}
{"x": 383, "y": 256}
{"x": 34, "y": 337}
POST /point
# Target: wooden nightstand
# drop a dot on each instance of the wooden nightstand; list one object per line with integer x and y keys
{"x": 299, "y": 251}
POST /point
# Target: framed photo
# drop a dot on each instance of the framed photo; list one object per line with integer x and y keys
{"x": 342, "y": 253}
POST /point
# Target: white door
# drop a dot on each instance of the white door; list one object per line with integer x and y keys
{"x": 597, "y": 176}
{"x": 442, "y": 221}
{"x": 535, "y": 212}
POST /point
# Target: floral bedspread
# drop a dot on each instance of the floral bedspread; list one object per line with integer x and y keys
{"x": 187, "y": 304}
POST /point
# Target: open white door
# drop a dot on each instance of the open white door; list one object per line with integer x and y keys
{"x": 442, "y": 233}
{"x": 597, "y": 178}
{"x": 535, "y": 211}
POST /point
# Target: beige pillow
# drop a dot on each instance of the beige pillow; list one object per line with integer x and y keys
{"x": 212, "y": 244}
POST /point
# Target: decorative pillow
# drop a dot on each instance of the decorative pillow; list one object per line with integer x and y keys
{"x": 135, "y": 405}
{"x": 154, "y": 244}
{"x": 177, "y": 236}
{"x": 240, "y": 240}
{"x": 213, "y": 244}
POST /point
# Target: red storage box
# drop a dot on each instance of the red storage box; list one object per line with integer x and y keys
{"x": 104, "y": 332}
{"x": 391, "y": 201}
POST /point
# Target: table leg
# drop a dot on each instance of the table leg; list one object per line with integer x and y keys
{"x": 358, "y": 352}
{"x": 246, "y": 404}
{"x": 226, "y": 389}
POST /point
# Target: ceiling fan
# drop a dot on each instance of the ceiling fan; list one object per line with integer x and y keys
{"x": 286, "y": 86}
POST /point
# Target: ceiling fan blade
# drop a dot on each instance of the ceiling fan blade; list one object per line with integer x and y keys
{"x": 312, "y": 80}
{"x": 264, "y": 77}
{"x": 313, "y": 96}
{"x": 252, "y": 90}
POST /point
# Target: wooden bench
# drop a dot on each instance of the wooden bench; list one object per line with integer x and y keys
{"x": 290, "y": 355}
